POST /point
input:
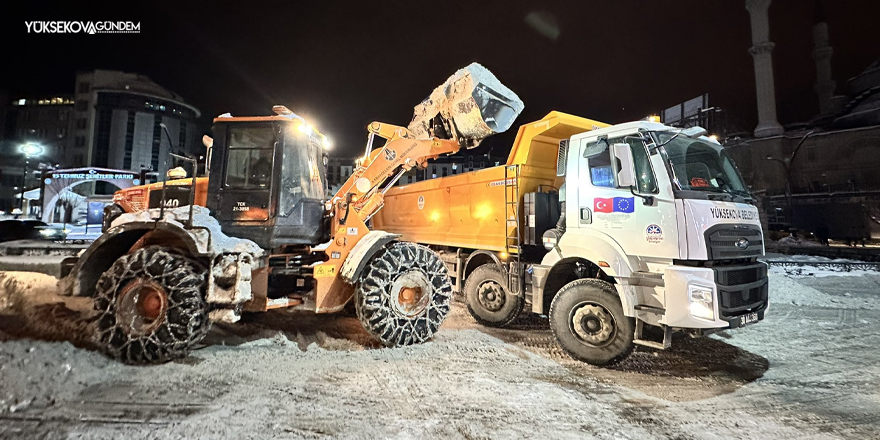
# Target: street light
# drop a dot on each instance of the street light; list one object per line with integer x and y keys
{"x": 29, "y": 150}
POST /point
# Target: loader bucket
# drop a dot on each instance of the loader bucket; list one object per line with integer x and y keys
{"x": 472, "y": 105}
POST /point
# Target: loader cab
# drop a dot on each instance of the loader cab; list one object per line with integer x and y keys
{"x": 267, "y": 180}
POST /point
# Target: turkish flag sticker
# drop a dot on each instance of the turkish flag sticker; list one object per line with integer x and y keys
{"x": 603, "y": 205}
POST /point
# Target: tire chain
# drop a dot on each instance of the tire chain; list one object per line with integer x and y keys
{"x": 186, "y": 320}
{"x": 373, "y": 296}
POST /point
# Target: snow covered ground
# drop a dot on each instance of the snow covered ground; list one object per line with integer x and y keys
{"x": 810, "y": 370}
{"x": 814, "y": 266}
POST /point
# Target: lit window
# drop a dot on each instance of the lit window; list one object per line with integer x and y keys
{"x": 22, "y": 101}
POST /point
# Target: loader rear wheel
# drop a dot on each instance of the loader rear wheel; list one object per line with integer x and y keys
{"x": 403, "y": 295}
{"x": 488, "y": 299}
{"x": 151, "y": 307}
{"x": 588, "y": 322}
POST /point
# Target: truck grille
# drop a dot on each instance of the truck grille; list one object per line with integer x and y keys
{"x": 741, "y": 289}
{"x": 722, "y": 241}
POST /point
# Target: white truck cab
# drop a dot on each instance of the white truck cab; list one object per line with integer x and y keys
{"x": 658, "y": 219}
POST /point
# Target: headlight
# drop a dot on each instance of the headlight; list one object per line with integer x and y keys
{"x": 47, "y": 232}
{"x": 702, "y": 304}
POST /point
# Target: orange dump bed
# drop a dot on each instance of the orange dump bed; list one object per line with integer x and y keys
{"x": 468, "y": 210}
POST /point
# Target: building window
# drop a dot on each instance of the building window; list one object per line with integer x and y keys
{"x": 82, "y": 123}
{"x": 80, "y": 141}
{"x": 102, "y": 137}
{"x": 129, "y": 140}
{"x": 82, "y": 105}
{"x": 83, "y": 87}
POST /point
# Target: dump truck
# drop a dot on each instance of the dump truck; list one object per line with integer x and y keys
{"x": 258, "y": 232}
{"x": 621, "y": 234}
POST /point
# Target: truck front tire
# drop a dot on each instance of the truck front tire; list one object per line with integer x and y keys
{"x": 403, "y": 295}
{"x": 151, "y": 307}
{"x": 588, "y": 321}
{"x": 488, "y": 299}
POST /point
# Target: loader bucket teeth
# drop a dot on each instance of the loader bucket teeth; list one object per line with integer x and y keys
{"x": 472, "y": 104}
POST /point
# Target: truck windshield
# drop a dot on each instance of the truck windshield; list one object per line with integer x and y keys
{"x": 697, "y": 165}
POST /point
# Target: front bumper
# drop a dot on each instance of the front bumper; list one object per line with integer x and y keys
{"x": 739, "y": 294}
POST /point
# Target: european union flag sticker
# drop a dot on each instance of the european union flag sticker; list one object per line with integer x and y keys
{"x": 624, "y": 204}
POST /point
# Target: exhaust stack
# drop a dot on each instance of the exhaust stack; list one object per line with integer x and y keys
{"x": 469, "y": 107}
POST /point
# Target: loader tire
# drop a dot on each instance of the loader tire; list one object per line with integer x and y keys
{"x": 404, "y": 294}
{"x": 588, "y": 322}
{"x": 488, "y": 299}
{"x": 151, "y": 307}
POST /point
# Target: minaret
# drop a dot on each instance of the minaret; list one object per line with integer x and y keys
{"x": 761, "y": 51}
{"x": 822, "y": 52}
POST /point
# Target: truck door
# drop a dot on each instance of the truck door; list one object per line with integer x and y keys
{"x": 645, "y": 229}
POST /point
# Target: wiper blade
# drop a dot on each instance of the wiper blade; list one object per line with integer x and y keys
{"x": 707, "y": 189}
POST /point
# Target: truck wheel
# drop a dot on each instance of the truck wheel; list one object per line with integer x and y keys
{"x": 151, "y": 307}
{"x": 588, "y": 321}
{"x": 488, "y": 299}
{"x": 403, "y": 295}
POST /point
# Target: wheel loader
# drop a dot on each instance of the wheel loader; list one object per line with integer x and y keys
{"x": 258, "y": 232}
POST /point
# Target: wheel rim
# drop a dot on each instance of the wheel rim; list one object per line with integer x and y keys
{"x": 141, "y": 307}
{"x": 593, "y": 324}
{"x": 410, "y": 293}
{"x": 491, "y": 296}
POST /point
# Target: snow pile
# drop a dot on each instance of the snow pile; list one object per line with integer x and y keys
{"x": 785, "y": 290}
{"x": 792, "y": 241}
{"x": 817, "y": 269}
{"x": 19, "y": 290}
{"x": 220, "y": 242}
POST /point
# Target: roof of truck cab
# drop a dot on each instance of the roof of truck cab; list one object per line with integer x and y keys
{"x": 626, "y": 126}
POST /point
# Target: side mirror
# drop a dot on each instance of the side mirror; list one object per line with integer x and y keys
{"x": 626, "y": 175}
{"x": 208, "y": 142}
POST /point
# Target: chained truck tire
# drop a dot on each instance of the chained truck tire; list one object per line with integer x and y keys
{"x": 404, "y": 294}
{"x": 588, "y": 322}
{"x": 488, "y": 299}
{"x": 151, "y": 307}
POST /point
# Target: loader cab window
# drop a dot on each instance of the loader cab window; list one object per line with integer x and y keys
{"x": 602, "y": 173}
{"x": 303, "y": 176}
{"x": 251, "y": 153}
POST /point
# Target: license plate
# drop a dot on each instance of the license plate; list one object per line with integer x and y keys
{"x": 750, "y": 318}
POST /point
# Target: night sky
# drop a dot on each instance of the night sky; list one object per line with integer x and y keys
{"x": 344, "y": 64}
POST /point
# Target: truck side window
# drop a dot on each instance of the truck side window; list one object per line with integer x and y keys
{"x": 602, "y": 174}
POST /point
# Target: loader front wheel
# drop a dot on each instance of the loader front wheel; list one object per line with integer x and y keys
{"x": 488, "y": 299}
{"x": 151, "y": 307}
{"x": 403, "y": 295}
